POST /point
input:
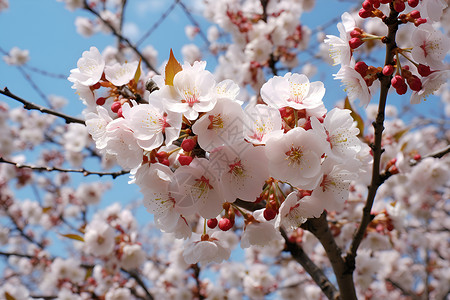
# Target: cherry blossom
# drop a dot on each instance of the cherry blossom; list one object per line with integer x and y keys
{"x": 222, "y": 125}
{"x": 296, "y": 157}
{"x": 192, "y": 91}
{"x": 354, "y": 84}
{"x": 430, "y": 46}
{"x": 293, "y": 90}
{"x": 90, "y": 68}
{"x": 208, "y": 249}
{"x": 119, "y": 74}
{"x": 339, "y": 46}
{"x": 261, "y": 123}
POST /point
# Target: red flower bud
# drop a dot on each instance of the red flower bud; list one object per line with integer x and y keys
{"x": 388, "y": 70}
{"x": 225, "y": 224}
{"x": 361, "y": 68}
{"x": 367, "y": 5}
{"x": 188, "y": 145}
{"x": 397, "y": 81}
{"x": 184, "y": 160}
{"x": 419, "y": 21}
{"x": 415, "y": 14}
{"x": 165, "y": 161}
{"x": 115, "y": 106}
{"x": 399, "y": 5}
{"x": 413, "y": 3}
{"x": 355, "y": 43}
{"x": 414, "y": 83}
{"x": 269, "y": 214}
{"x": 212, "y": 223}
{"x": 100, "y": 101}
{"x": 423, "y": 70}
{"x": 363, "y": 13}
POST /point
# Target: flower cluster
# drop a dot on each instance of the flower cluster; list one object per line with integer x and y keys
{"x": 194, "y": 150}
{"x": 424, "y": 71}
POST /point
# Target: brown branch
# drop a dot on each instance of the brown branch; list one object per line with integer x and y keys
{"x": 193, "y": 21}
{"x": 121, "y": 37}
{"x": 311, "y": 268}
{"x": 51, "y": 169}
{"x": 31, "y": 106}
{"x": 403, "y": 290}
{"x": 376, "y": 181}
{"x": 319, "y": 227}
{"x": 135, "y": 275}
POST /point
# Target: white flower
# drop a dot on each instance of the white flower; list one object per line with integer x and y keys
{"x": 195, "y": 189}
{"x": 154, "y": 179}
{"x": 208, "y": 249}
{"x": 228, "y": 89}
{"x": 99, "y": 238}
{"x": 119, "y": 74}
{"x": 191, "y": 53}
{"x": 150, "y": 123}
{"x": 192, "y": 91}
{"x": 333, "y": 190}
{"x": 122, "y": 143}
{"x": 223, "y": 125}
{"x": 260, "y": 232}
{"x": 96, "y": 125}
{"x": 339, "y": 47}
{"x": 118, "y": 294}
{"x": 17, "y": 56}
{"x": 296, "y": 157}
{"x": 430, "y": 84}
{"x": 430, "y": 46}
{"x": 295, "y": 210}
{"x": 355, "y": 85}
{"x": 243, "y": 170}
{"x": 76, "y": 138}
{"x": 84, "y": 26}
{"x": 261, "y": 123}
{"x": 90, "y": 68}
{"x": 259, "y": 49}
{"x": 293, "y": 90}
{"x": 339, "y": 129}
{"x": 132, "y": 256}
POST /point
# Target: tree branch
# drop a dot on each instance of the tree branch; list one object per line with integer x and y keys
{"x": 319, "y": 227}
{"x": 51, "y": 169}
{"x": 311, "y": 268}
{"x": 31, "y": 106}
{"x": 376, "y": 181}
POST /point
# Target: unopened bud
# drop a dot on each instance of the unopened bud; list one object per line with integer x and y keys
{"x": 355, "y": 43}
{"x": 423, "y": 70}
{"x": 361, "y": 67}
{"x": 388, "y": 70}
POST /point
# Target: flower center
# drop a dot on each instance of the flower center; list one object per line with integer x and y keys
{"x": 297, "y": 92}
{"x": 201, "y": 187}
{"x": 216, "y": 122}
{"x": 294, "y": 155}
{"x": 190, "y": 96}
{"x": 236, "y": 168}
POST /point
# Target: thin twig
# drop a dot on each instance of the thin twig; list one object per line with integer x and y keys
{"x": 157, "y": 23}
{"x": 51, "y": 169}
{"x": 31, "y": 106}
{"x": 311, "y": 268}
{"x": 121, "y": 37}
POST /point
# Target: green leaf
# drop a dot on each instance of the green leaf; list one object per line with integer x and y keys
{"x": 172, "y": 68}
{"x": 73, "y": 237}
{"x": 356, "y": 117}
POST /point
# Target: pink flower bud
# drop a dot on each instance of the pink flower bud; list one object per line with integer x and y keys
{"x": 402, "y": 89}
{"x": 119, "y": 113}
{"x": 188, "y": 145}
{"x": 165, "y": 161}
{"x": 419, "y": 21}
{"x": 367, "y": 5}
{"x": 356, "y": 33}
